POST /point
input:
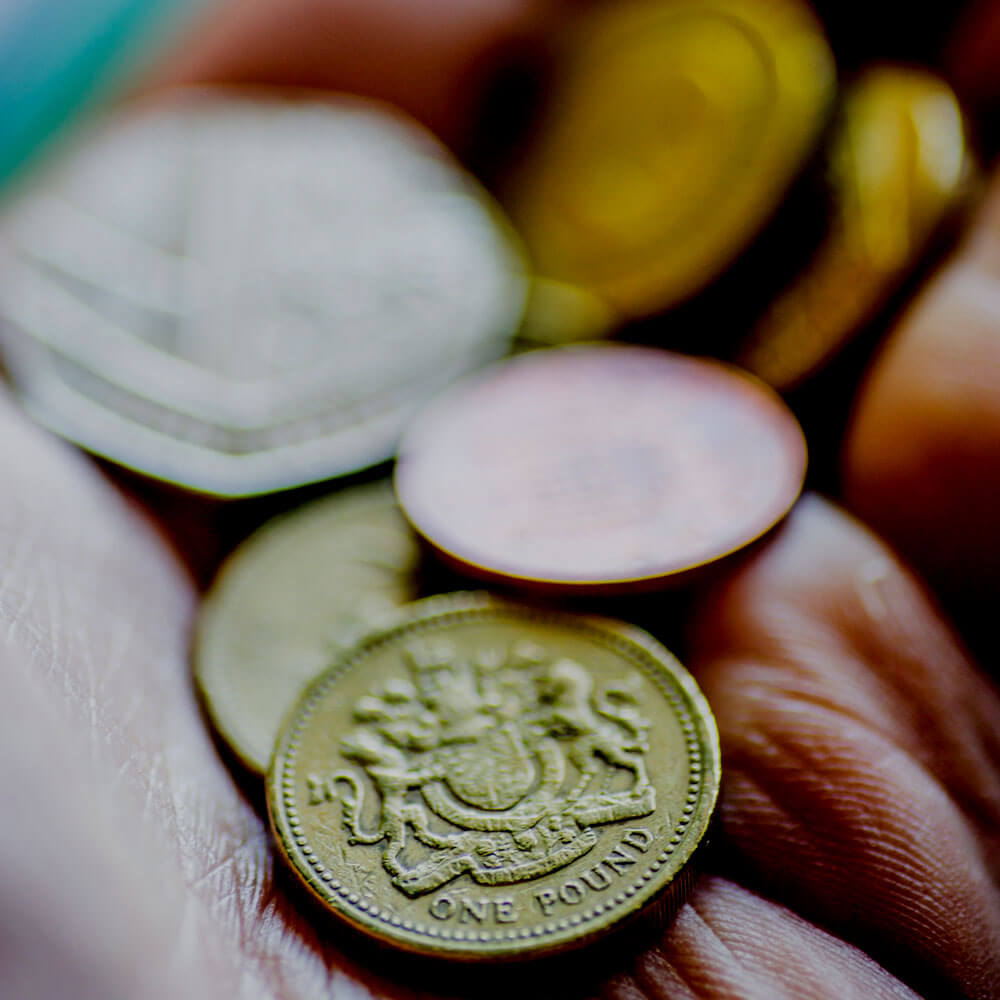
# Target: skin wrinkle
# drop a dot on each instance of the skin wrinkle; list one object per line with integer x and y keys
{"x": 739, "y": 930}
{"x": 771, "y": 723}
{"x": 102, "y": 869}
{"x": 625, "y": 988}
{"x": 165, "y": 676}
{"x": 853, "y": 796}
{"x": 924, "y": 686}
{"x": 696, "y": 935}
{"x": 141, "y": 756}
{"x": 654, "y": 976}
{"x": 752, "y": 924}
{"x": 752, "y": 805}
{"x": 845, "y": 741}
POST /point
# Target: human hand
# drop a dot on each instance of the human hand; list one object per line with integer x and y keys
{"x": 857, "y": 844}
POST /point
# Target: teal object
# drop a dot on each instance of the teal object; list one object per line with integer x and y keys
{"x": 55, "y": 54}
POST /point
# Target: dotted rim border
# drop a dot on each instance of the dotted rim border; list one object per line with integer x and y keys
{"x": 622, "y": 639}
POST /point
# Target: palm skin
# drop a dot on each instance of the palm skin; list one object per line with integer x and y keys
{"x": 857, "y": 850}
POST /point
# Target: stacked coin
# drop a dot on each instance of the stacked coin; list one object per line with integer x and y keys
{"x": 240, "y": 294}
{"x": 486, "y": 780}
{"x": 474, "y": 778}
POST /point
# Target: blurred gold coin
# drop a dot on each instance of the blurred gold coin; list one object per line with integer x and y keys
{"x": 899, "y": 164}
{"x": 674, "y": 127}
{"x": 559, "y": 313}
{"x": 299, "y": 590}
{"x": 487, "y": 780}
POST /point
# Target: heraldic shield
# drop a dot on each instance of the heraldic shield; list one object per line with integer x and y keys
{"x": 498, "y": 767}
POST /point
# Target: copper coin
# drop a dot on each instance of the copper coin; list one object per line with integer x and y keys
{"x": 601, "y": 467}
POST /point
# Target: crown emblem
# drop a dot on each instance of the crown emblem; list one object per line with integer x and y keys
{"x": 498, "y": 765}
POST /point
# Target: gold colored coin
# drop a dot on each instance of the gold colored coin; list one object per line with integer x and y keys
{"x": 674, "y": 128}
{"x": 301, "y": 588}
{"x": 899, "y": 164}
{"x": 558, "y": 313}
{"x": 486, "y": 780}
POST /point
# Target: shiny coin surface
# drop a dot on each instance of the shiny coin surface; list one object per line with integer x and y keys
{"x": 299, "y": 590}
{"x": 899, "y": 164}
{"x": 487, "y": 780}
{"x": 599, "y": 467}
{"x": 240, "y": 294}
{"x": 673, "y": 129}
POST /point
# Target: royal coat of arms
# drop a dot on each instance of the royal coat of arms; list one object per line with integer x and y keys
{"x": 498, "y": 766}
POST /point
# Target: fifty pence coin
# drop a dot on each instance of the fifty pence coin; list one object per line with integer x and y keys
{"x": 244, "y": 293}
{"x": 673, "y": 129}
{"x": 599, "y": 467}
{"x": 899, "y": 169}
{"x": 485, "y": 780}
{"x": 294, "y": 594}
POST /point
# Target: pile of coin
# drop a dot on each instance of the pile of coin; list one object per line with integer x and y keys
{"x": 241, "y": 293}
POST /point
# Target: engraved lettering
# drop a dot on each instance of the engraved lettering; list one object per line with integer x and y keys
{"x": 619, "y": 859}
{"x": 639, "y": 837}
{"x": 320, "y": 790}
{"x": 597, "y": 877}
{"x": 473, "y": 909}
{"x": 571, "y": 892}
{"x": 480, "y": 911}
{"x": 443, "y": 907}
{"x": 546, "y": 900}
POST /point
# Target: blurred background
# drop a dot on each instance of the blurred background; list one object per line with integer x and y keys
{"x": 863, "y": 190}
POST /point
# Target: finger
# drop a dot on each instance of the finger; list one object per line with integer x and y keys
{"x": 70, "y": 866}
{"x": 729, "y": 942}
{"x": 922, "y": 454}
{"x": 432, "y": 58}
{"x": 95, "y": 615}
{"x": 860, "y": 748}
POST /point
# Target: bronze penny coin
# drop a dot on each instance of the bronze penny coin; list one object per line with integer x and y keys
{"x": 485, "y": 780}
{"x": 599, "y": 467}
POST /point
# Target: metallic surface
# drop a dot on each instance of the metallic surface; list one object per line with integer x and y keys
{"x": 242, "y": 294}
{"x": 673, "y": 129}
{"x": 489, "y": 780}
{"x": 599, "y": 467}
{"x": 899, "y": 169}
{"x": 299, "y": 590}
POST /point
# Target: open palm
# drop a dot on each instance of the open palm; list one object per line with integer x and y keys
{"x": 858, "y": 846}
